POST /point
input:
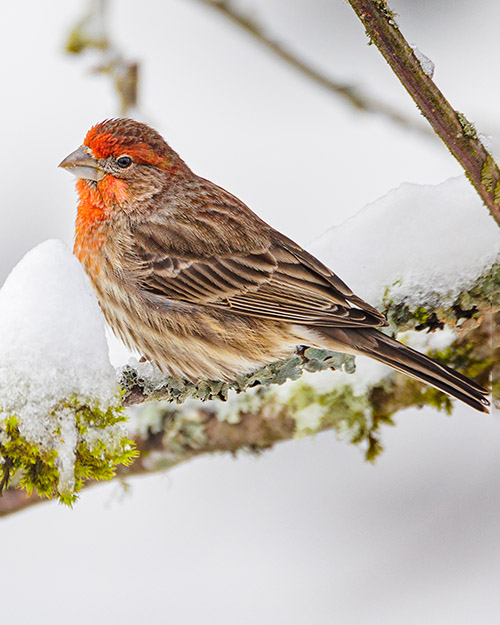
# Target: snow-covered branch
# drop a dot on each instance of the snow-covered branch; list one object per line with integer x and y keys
{"x": 61, "y": 418}
{"x": 61, "y": 413}
{"x": 167, "y": 435}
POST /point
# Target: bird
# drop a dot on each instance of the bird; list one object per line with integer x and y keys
{"x": 191, "y": 278}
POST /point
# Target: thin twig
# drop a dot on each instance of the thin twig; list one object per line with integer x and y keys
{"x": 90, "y": 33}
{"x": 455, "y": 130}
{"x": 349, "y": 92}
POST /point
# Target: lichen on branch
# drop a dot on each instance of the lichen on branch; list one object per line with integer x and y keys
{"x": 144, "y": 384}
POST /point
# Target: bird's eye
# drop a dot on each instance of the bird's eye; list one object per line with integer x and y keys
{"x": 124, "y": 162}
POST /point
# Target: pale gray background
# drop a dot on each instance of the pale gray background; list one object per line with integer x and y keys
{"x": 308, "y": 534}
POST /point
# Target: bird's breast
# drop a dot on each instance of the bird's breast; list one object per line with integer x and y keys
{"x": 91, "y": 223}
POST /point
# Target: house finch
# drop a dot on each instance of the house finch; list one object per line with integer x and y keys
{"x": 191, "y": 278}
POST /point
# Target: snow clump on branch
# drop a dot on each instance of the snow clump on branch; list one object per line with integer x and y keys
{"x": 418, "y": 243}
{"x": 57, "y": 386}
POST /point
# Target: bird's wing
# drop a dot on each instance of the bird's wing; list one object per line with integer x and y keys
{"x": 263, "y": 273}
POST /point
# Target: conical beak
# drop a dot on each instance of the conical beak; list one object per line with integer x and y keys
{"x": 82, "y": 164}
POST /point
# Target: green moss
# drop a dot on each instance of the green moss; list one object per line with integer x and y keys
{"x": 489, "y": 174}
{"x": 100, "y": 448}
{"x": 497, "y": 193}
{"x": 17, "y": 454}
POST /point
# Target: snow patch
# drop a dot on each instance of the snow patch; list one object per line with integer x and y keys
{"x": 427, "y": 65}
{"x": 415, "y": 242}
{"x": 52, "y": 350}
{"x": 426, "y": 341}
{"x": 147, "y": 370}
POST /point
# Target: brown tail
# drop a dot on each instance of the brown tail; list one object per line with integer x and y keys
{"x": 373, "y": 343}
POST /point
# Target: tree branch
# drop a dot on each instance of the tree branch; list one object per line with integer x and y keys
{"x": 167, "y": 434}
{"x": 90, "y": 33}
{"x": 350, "y": 93}
{"x": 144, "y": 383}
{"x": 458, "y": 134}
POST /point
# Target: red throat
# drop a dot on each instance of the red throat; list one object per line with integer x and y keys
{"x": 92, "y": 212}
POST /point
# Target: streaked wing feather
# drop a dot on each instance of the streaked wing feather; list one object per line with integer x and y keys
{"x": 276, "y": 280}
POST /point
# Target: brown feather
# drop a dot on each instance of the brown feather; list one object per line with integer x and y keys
{"x": 273, "y": 283}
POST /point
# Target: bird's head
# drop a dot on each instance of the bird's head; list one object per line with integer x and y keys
{"x": 124, "y": 161}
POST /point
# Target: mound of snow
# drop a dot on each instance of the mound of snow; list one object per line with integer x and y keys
{"x": 52, "y": 349}
{"x": 417, "y": 240}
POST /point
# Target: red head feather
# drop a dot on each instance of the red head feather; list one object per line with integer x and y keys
{"x": 115, "y": 137}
